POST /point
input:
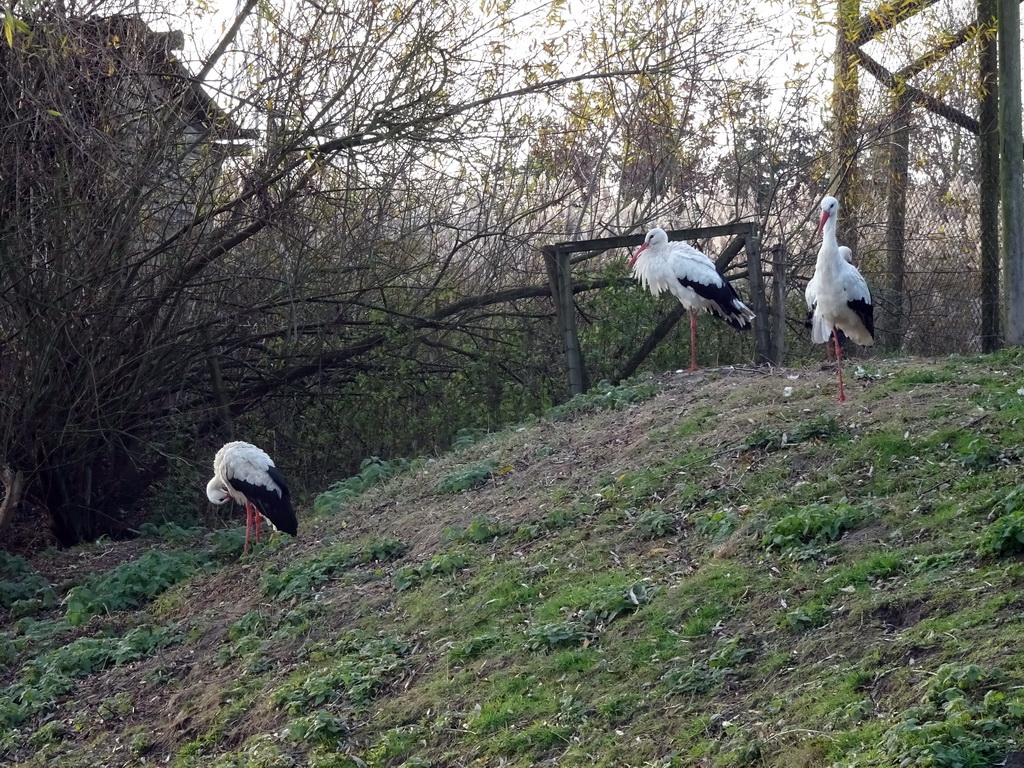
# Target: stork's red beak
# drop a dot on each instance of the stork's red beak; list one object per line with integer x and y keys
{"x": 821, "y": 224}
{"x": 636, "y": 255}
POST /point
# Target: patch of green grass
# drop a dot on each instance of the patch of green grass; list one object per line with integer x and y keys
{"x": 907, "y": 379}
{"x": 356, "y": 667}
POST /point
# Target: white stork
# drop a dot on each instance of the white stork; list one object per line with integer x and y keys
{"x": 247, "y": 475}
{"x": 692, "y": 278}
{"x": 842, "y": 299}
{"x": 811, "y": 297}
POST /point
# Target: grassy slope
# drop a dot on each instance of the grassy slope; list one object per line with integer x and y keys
{"x": 718, "y": 574}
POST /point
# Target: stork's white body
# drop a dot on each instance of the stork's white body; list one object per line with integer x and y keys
{"x": 690, "y": 276}
{"x": 841, "y": 299}
{"x": 811, "y": 291}
{"x": 248, "y": 476}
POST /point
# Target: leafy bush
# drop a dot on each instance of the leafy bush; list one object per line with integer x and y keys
{"x": 171, "y": 532}
{"x": 20, "y": 582}
{"x": 965, "y": 720}
{"x": 697, "y": 677}
{"x": 467, "y": 478}
{"x": 608, "y": 604}
{"x": 717, "y": 524}
{"x": 767, "y": 439}
{"x": 729, "y": 654}
{"x": 130, "y": 584}
{"x": 468, "y": 436}
{"x": 604, "y": 396}
{"x": 473, "y": 647}
{"x": 1005, "y": 534}
{"x": 656, "y": 523}
{"x": 52, "y": 674}
{"x": 320, "y": 727}
{"x": 443, "y": 563}
{"x": 480, "y": 531}
{"x": 372, "y": 471}
{"x": 813, "y": 525}
{"x": 809, "y": 616}
{"x": 600, "y": 609}
{"x": 302, "y": 578}
{"x": 559, "y": 634}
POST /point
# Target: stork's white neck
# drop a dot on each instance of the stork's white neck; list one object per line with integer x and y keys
{"x": 829, "y": 258}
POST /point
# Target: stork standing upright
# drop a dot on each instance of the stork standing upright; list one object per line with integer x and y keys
{"x": 811, "y": 297}
{"x": 247, "y": 475}
{"x": 692, "y": 278}
{"x": 842, "y": 299}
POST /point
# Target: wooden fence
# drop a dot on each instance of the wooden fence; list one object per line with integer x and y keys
{"x": 769, "y": 324}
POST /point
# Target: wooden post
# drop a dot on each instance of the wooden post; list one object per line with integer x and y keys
{"x": 762, "y": 324}
{"x": 779, "y": 304}
{"x": 893, "y": 319}
{"x": 1011, "y": 176}
{"x": 560, "y": 277}
{"x": 988, "y": 178}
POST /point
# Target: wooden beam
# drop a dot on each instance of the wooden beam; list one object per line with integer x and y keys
{"x": 916, "y": 95}
{"x": 778, "y": 310}
{"x": 602, "y": 244}
{"x": 988, "y": 177}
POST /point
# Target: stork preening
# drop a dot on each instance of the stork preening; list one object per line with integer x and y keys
{"x": 692, "y": 278}
{"x": 247, "y": 475}
{"x": 842, "y": 301}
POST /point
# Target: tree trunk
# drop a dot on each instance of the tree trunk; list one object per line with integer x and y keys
{"x": 846, "y": 93}
{"x": 13, "y": 484}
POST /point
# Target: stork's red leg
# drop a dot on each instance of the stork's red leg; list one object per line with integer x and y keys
{"x": 839, "y": 362}
{"x": 258, "y": 519}
{"x": 248, "y": 525}
{"x": 693, "y": 342}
